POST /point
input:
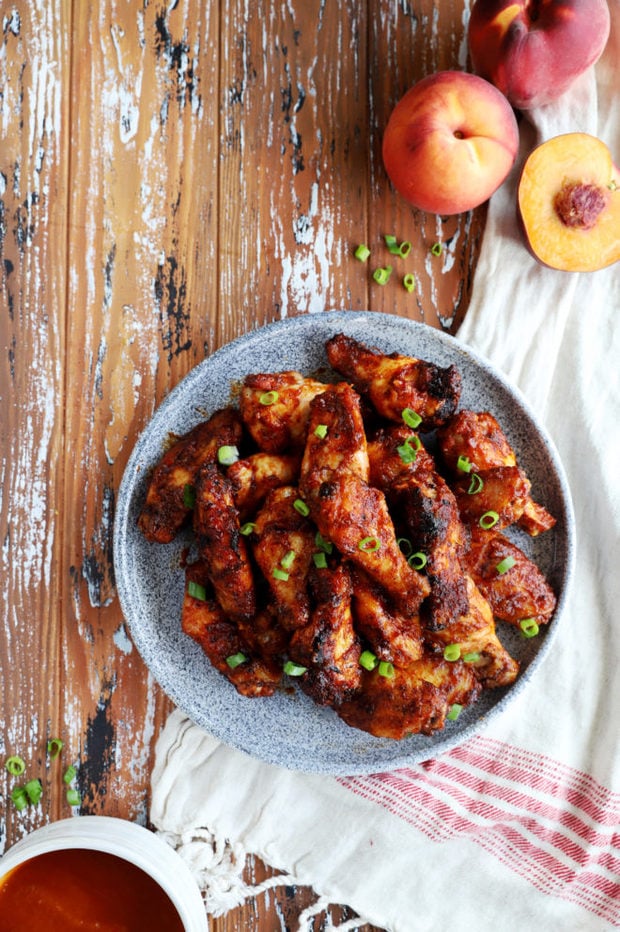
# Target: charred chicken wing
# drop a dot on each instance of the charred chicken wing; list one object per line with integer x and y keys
{"x": 391, "y": 635}
{"x": 274, "y": 408}
{"x": 256, "y": 475}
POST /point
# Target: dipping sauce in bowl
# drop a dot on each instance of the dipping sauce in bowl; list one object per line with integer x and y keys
{"x": 77, "y": 888}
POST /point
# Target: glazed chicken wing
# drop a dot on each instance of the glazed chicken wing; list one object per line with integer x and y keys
{"x": 394, "y": 382}
{"x": 391, "y": 635}
{"x": 167, "y": 502}
{"x": 347, "y": 511}
{"x": 203, "y": 619}
{"x": 415, "y": 700}
{"x": 283, "y": 544}
{"x": 474, "y": 439}
{"x": 274, "y": 408}
{"x": 256, "y": 475}
{"x": 221, "y": 546}
{"x": 515, "y": 592}
{"x": 328, "y": 646}
{"x": 502, "y": 493}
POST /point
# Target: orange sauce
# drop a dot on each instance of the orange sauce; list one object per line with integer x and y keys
{"x": 87, "y": 890}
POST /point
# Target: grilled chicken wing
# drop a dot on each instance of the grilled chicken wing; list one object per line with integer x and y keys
{"x": 518, "y": 592}
{"x": 475, "y": 635}
{"x": 274, "y": 408}
{"x": 477, "y": 438}
{"x": 283, "y": 544}
{"x": 328, "y": 646}
{"x": 415, "y": 700}
{"x": 394, "y": 382}
{"x": 256, "y": 475}
{"x": 503, "y": 491}
{"x": 221, "y": 546}
{"x": 428, "y": 518}
{"x": 347, "y": 511}
{"x": 167, "y": 504}
{"x": 204, "y": 620}
{"x": 391, "y": 635}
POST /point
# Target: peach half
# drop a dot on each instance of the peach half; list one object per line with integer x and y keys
{"x": 569, "y": 203}
{"x": 450, "y": 142}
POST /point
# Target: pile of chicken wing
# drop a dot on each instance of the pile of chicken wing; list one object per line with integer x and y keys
{"x": 333, "y": 547}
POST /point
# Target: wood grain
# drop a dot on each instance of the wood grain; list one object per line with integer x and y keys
{"x": 171, "y": 175}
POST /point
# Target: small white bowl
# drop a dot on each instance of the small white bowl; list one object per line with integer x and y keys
{"x": 126, "y": 840}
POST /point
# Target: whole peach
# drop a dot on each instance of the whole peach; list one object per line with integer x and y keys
{"x": 450, "y": 142}
{"x": 533, "y": 50}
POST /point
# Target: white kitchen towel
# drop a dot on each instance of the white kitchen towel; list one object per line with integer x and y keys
{"x": 518, "y": 828}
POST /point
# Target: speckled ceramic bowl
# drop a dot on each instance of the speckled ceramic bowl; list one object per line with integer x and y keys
{"x": 289, "y": 729}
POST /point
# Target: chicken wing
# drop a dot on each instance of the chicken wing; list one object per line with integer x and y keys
{"x": 347, "y": 511}
{"x": 203, "y": 619}
{"x": 283, "y": 545}
{"x": 256, "y": 475}
{"x": 391, "y": 635}
{"x": 394, "y": 382}
{"x": 516, "y": 592}
{"x": 475, "y": 439}
{"x": 415, "y": 700}
{"x": 169, "y": 496}
{"x": 329, "y": 646}
{"x": 478, "y": 644}
{"x": 274, "y": 408}
{"x": 221, "y": 546}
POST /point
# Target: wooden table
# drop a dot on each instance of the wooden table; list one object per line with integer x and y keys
{"x": 172, "y": 174}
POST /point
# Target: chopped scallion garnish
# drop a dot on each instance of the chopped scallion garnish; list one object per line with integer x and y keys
{"x": 386, "y": 669}
{"x": 418, "y": 560}
{"x": 405, "y": 545}
{"x": 488, "y": 520}
{"x": 189, "y": 495}
{"x": 235, "y": 660}
{"x": 451, "y": 652}
{"x": 269, "y": 398}
{"x": 293, "y": 669}
{"x": 197, "y": 591}
{"x": 320, "y": 560}
{"x": 362, "y": 252}
{"x": 368, "y": 660}
{"x": 409, "y": 282}
{"x": 288, "y": 559}
{"x": 320, "y": 431}
{"x": 369, "y": 544}
{"x": 227, "y": 455}
{"x": 504, "y": 565}
{"x": 15, "y": 765}
{"x": 411, "y": 417}
{"x": 73, "y": 797}
{"x": 70, "y": 774}
{"x": 323, "y": 544}
{"x": 247, "y": 528}
{"x": 463, "y": 464}
{"x": 34, "y": 791}
{"x": 437, "y": 249}
{"x": 300, "y": 506}
{"x": 54, "y": 747}
{"x": 529, "y": 627}
{"x": 472, "y": 657}
{"x": 382, "y": 275}
{"x": 455, "y": 710}
{"x": 277, "y": 573}
{"x": 19, "y": 798}
{"x": 409, "y": 450}
{"x": 475, "y": 485}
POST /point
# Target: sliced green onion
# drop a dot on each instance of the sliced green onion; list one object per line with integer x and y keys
{"x": 409, "y": 450}
{"x": 277, "y": 573}
{"x": 320, "y": 431}
{"x": 504, "y": 565}
{"x": 529, "y": 627}
{"x": 455, "y": 711}
{"x": 189, "y": 495}
{"x": 293, "y": 669}
{"x": 476, "y": 484}
{"x": 386, "y": 669}
{"x": 269, "y": 398}
{"x": 247, "y": 528}
{"x": 463, "y": 464}
{"x": 362, "y": 252}
{"x": 392, "y": 243}
{"x": 320, "y": 560}
{"x": 418, "y": 560}
{"x": 411, "y": 417}
{"x": 368, "y": 660}
{"x": 405, "y": 545}
{"x": 19, "y": 798}
{"x": 404, "y": 249}
{"x": 472, "y": 657}
{"x": 197, "y": 591}
{"x": 54, "y": 747}
{"x": 235, "y": 660}
{"x": 73, "y": 797}
{"x": 70, "y": 774}
{"x": 288, "y": 559}
{"x": 437, "y": 249}
{"x": 409, "y": 282}
{"x": 227, "y": 455}
{"x": 34, "y": 791}
{"x": 451, "y": 652}
{"x": 15, "y": 765}
{"x": 382, "y": 275}
{"x": 323, "y": 544}
{"x": 300, "y": 506}
{"x": 369, "y": 544}
{"x": 488, "y": 520}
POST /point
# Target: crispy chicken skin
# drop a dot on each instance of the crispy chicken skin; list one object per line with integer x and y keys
{"x": 221, "y": 546}
{"x": 165, "y": 507}
{"x": 394, "y": 382}
{"x": 519, "y": 592}
{"x": 415, "y": 700}
{"x": 281, "y": 533}
{"x": 328, "y": 644}
{"x": 475, "y": 633}
{"x": 256, "y": 475}
{"x": 207, "y": 624}
{"x": 278, "y": 421}
{"x": 391, "y": 635}
{"x": 505, "y": 490}
{"x": 477, "y": 436}
{"x": 347, "y": 511}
